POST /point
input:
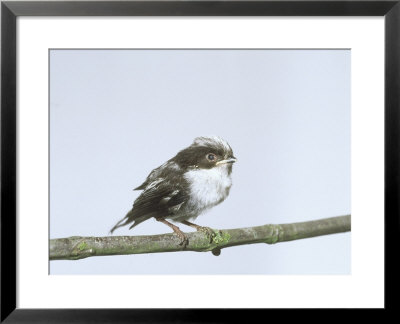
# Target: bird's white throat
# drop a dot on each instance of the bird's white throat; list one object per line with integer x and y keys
{"x": 208, "y": 187}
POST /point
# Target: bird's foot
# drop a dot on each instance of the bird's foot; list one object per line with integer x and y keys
{"x": 208, "y": 231}
{"x": 184, "y": 241}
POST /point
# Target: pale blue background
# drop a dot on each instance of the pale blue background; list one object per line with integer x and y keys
{"x": 117, "y": 114}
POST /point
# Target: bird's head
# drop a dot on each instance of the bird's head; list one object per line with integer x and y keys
{"x": 206, "y": 153}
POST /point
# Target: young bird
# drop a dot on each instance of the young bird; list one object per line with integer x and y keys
{"x": 193, "y": 181}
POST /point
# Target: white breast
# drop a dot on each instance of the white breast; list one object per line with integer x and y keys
{"x": 208, "y": 187}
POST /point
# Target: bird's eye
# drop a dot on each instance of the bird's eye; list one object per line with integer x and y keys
{"x": 211, "y": 157}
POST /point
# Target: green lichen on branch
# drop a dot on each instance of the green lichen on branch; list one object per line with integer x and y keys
{"x": 82, "y": 246}
{"x": 221, "y": 237}
{"x": 76, "y": 247}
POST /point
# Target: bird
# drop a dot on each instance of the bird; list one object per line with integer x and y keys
{"x": 196, "y": 179}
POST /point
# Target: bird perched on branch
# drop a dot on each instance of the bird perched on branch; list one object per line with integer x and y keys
{"x": 193, "y": 181}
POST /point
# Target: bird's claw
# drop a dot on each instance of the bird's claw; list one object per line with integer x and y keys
{"x": 184, "y": 241}
{"x": 208, "y": 231}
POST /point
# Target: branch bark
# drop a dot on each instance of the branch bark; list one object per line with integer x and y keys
{"x": 77, "y": 247}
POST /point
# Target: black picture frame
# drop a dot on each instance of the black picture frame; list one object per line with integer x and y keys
{"x": 10, "y": 10}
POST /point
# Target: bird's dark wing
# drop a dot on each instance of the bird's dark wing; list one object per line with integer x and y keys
{"x": 154, "y": 175}
{"x": 142, "y": 186}
{"x": 161, "y": 198}
{"x": 160, "y": 172}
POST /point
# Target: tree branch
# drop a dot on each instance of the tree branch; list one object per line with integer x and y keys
{"x": 76, "y": 247}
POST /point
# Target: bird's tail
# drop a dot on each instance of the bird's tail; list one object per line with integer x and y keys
{"x": 117, "y": 225}
{"x": 129, "y": 218}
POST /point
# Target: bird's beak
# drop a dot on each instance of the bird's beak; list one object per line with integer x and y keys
{"x": 230, "y": 160}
